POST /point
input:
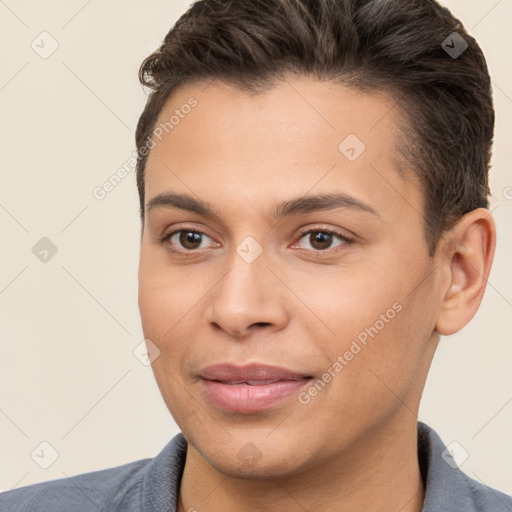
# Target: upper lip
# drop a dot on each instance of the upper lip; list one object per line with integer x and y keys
{"x": 227, "y": 372}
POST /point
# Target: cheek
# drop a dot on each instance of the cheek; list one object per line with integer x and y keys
{"x": 163, "y": 322}
{"x": 383, "y": 361}
{"x": 346, "y": 302}
{"x": 373, "y": 332}
{"x": 155, "y": 311}
{"x": 170, "y": 308}
{"x": 164, "y": 296}
{"x": 160, "y": 313}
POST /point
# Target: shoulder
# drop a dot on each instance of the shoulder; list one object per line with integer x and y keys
{"x": 147, "y": 485}
{"x": 484, "y": 498}
{"x": 447, "y": 487}
{"x": 88, "y": 491}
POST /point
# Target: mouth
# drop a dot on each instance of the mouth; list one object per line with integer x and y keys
{"x": 250, "y": 382}
{"x": 250, "y": 388}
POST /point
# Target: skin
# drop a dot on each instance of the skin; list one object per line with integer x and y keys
{"x": 354, "y": 445}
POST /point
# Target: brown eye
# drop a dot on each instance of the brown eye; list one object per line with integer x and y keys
{"x": 190, "y": 239}
{"x": 185, "y": 240}
{"x": 322, "y": 239}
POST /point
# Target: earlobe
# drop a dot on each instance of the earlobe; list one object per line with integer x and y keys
{"x": 468, "y": 263}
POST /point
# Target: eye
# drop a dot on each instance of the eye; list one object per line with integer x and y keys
{"x": 187, "y": 239}
{"x": 322, "y": 239}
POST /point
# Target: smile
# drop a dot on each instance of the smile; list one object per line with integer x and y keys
{"x": 250, "y": 388}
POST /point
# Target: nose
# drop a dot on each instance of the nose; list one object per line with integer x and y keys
{"x": 247, "y": 298}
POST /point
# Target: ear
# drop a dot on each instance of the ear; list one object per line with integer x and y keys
{"x": 466, "y": 254}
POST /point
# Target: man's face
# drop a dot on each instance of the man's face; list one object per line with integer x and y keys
{"x": 351, "y": 315}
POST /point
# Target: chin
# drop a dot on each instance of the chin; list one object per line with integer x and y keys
{"x": 259, "y": 459}
{"x": 263, "y": 469}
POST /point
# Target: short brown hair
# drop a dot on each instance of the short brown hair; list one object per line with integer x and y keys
{"x": 389, "y": 45}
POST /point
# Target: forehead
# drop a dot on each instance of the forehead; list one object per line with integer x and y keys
{"x": 301, "y": 134}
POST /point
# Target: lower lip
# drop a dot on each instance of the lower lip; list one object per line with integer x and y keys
{"x": 247, "y": 398}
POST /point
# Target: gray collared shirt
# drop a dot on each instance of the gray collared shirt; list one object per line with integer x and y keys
{"x": 151, "y": 485}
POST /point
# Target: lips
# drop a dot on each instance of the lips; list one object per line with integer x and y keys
{"x": 250, "y": 382}
{"x": 250, "y": 388}
{"x": 257, "y": 373}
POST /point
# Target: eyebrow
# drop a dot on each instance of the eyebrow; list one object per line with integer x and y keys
{"x": 296, "y": 206}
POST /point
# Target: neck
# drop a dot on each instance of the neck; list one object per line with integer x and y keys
{"x": 380, "y": 472}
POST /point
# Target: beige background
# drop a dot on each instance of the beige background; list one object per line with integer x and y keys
{"x": 68, "y": 375}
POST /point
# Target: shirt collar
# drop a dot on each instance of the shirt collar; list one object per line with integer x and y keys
{"x": 447, "y": 488}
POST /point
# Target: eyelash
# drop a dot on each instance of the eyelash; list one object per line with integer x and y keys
{"x": 343, "y": 238}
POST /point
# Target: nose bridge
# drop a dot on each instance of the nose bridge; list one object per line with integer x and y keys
{"x": 247, "y": 277}
{"x": 247, "y": 293}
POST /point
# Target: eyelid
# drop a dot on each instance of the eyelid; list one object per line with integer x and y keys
{"x": 335, "y": 231}
{"x": 178, "y": 227}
